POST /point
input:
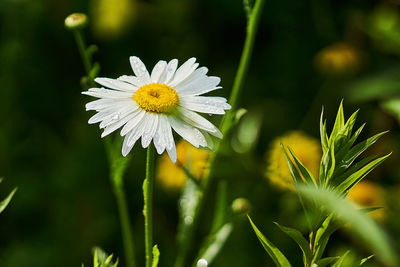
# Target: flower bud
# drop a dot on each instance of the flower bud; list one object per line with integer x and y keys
{"x": 241, "y": 206}
{"x": 76, "y": 21}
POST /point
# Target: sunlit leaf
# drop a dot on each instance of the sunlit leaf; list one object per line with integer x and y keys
{"x": 362, "y": 226}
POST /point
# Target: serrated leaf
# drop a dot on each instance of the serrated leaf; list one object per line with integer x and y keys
{"x": 362, "y": 226}
{"x": 6, "y": 201}
{"x": 298, "y": 237}
{"x": 360, "y": 174}
{"x": 215, "y": 243}
{"x": 277, "y": 256}
{"x": 156, "y": 256}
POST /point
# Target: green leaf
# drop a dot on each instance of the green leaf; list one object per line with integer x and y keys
{"x": 339, "y": 124}
{"x": 297, "y": 236}
{"x": 328, "y": 227}
{"x": 322, "y": 131}
{"x": 156, "y": 256}
{"x": 366, "y": 259}
{"x": 358, "y": 149}
{"x": 6, "y": 201}
{"x": 292, "y": 168}
{"x": 305, "y": 173}
{"x": 215, "y": 243}
{"x": 360, "y": 174}
{"x": 279, "y": 259}
{"x": 362, "y": 226}
{"x": 392, "y": 105}
{"x": 341, "y": 259}
{"x": 326, "y": 261}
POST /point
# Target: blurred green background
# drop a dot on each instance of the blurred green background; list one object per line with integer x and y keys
{"x": 308, "y": 53}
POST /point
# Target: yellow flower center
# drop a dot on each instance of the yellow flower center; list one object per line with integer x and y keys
{"x": 156, "y": 97}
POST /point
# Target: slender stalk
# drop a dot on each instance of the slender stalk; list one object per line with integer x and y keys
{"x": 82, "y": 50}
{"x": 127, "y": 235}
{"x": 252, "y": 25}
{"x": 117, "y": 166}
{"x": 148, "y": 204}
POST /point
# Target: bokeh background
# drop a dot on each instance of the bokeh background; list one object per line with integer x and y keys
{"x": 308, "y": 54}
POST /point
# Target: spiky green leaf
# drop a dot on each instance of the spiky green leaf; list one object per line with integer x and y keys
{"x": 277, "y": 256}
{"x": 297, "y": 236}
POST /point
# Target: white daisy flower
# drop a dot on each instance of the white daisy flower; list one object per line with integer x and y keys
{"x": 149, "y": 106}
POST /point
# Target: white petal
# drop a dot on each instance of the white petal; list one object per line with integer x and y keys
{"x": 172, "y": 152}
{"x": 136, "y": 132}
{"x": 140, "y": 70}
{"x": 198, "y": 121}
{"x": 190, "y": 134}
{"x": 158, "y": 70}
{"x": 118, "y": 114}
{"x": 184, "y": 71}
{"x": 116, "y": 84}
{"x": 106, "y": 93}
{"x": 111, "y": 128}
{"x": 100, "y": 104}
{"x": 125, "y": 148}
{"x": 197, "y": 75}
{"x": 200, "y": 86}
{"x": 160, "y": 137}
{"x": 150, "y": 129}
{"x": 130, "y": 79}
{"x": 169, "y": 71}
{"x": 205, "y": 104}
{"x": 133, "y": 122}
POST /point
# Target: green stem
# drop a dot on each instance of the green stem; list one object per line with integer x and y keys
{"x": 148, "y": 204}
{"x": 127, "y": 235}
{"x": 118, "y": 166}
{"x": 82, "y": 51}
{"x": 226, "y": 123}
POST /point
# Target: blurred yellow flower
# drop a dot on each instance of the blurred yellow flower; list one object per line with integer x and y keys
{"x": 306, "y": 148}
{"x": 172, "y": 176}
{"x": 368, "y": 195}
{"x": 339, "y": 58}
{"x": 112, "y": 18}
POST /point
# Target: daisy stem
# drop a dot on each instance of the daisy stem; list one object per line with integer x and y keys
{"x": 148, "y": 204}
{"x": 253, "y": 18}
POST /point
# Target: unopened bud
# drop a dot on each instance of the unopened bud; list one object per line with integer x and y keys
{"x": 241, "y": 206}
{"x": 76, "y": 21}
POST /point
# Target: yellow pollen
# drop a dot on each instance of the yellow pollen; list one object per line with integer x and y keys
{"x": 156, "y": 97}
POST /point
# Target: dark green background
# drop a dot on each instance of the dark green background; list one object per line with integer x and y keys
{"x": 64, "y": 204}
